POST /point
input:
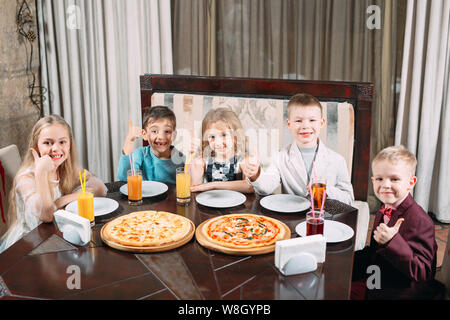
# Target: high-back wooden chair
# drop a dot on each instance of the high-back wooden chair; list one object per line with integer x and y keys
{"x": 261, "y": 105}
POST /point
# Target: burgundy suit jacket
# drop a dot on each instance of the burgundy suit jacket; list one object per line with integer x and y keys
{"x": 410, "y": 256}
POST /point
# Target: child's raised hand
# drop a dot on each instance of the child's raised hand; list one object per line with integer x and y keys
{"x": 383, "y": 234}
{"x": 252, "y": 166}
{"x": 133, "y": 131}
{"x": 42, "y": 164}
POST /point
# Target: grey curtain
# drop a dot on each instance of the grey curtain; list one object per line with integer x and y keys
{"x": 423, "y": 119}
{"x": 297, "y": 39}
{"x": 92, "y": 53}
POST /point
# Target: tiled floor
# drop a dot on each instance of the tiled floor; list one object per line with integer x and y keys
{"x": 441, "y": 232}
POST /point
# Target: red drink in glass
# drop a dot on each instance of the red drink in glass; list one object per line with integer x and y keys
{"x": 314, "y": 223}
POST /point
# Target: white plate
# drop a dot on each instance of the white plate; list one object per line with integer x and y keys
{"x": 285, "y": 203}
{"x": 220, "y": 198}
{"x": 149, "y": 189}
{"x": 102, "y": 206}
{"x": 333, "y": 231}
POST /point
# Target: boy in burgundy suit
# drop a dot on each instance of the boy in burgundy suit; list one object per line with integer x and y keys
{"x": 403, "y": 244}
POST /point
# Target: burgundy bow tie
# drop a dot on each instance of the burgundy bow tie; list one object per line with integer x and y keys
{"x": 386, "y": 211}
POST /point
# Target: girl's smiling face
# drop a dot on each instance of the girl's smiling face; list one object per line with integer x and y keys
{"x": 54, "y": 141}
{"x": 220, "y": 140}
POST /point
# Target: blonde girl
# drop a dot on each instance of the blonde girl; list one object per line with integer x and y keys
{"x": 47, "y": 179}
{"x": 220, "y": 163}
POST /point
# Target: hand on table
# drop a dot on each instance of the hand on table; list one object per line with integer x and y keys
{"x": 383, "y": 234}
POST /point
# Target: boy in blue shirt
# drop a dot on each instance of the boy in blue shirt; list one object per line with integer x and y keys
{"x": 157, "y": 161}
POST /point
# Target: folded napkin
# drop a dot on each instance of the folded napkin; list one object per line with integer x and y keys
{"x": 300, "y": 255}
{"x": 75, "y": 229}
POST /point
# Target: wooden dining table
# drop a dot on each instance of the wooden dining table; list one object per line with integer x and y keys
{"x": 43, "y": 265}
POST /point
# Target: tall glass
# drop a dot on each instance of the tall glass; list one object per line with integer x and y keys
{"x": 86, "y": 206}
{"x": 319, "y": 190}
{"x": 314, "y": 223}
{"x": 134, "y": 184}
{"x": 183, "y": 186}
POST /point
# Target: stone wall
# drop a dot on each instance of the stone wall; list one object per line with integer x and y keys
{"x": 17, "y": 113}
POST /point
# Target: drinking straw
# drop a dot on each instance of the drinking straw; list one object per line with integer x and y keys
{"x": 312, "y": 200}
{"x": 84, "y": 183}
{"x": 131, "y": 165}
{"x": 315, "y": 172}
{"x": 186, "y": 165}
{"x": 81, "y": 181}
{"x": 323, "y": 202}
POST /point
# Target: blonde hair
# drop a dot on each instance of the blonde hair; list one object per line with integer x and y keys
{"x": 233, "y": 123}
{"x": 394, "y": 154}
{"x": 303, "y": 100}
{"x": 67, "y": 171}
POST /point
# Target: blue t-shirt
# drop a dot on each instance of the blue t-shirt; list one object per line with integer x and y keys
{"x": 153, "y": 168}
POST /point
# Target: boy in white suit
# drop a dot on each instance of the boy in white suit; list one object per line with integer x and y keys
{"x": 292, "y": 166}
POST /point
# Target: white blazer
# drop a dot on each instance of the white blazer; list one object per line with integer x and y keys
{"x": 287, "y": 167}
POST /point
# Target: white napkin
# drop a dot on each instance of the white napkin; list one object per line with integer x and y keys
{"x": 75, "y": 229}
{"x": 300, "y": 255}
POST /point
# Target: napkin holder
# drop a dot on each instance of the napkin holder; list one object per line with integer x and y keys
{"x": 300, "y": 255}
{"x": 75, "y": 229}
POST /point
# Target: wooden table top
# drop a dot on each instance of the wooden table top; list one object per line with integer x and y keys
{"x": 42, "y": 265}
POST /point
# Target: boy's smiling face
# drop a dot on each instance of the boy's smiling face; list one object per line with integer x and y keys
{"x": 160, "y": 134}
{"x": 305, "y": 123}
{"x": 392, "y": 180}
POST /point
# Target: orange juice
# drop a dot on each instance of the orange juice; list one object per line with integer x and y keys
{"x": 318, "y": 190}
{"x": 183, "y": 186}
{"x": 86, "y": 206}
{"x": 134, "y": 187}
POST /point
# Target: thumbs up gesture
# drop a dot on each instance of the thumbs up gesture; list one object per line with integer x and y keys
{"x": 42, "y": 164}
{"x": 133, "y": 131}
{"x": 252, "y": 166}
{"x": 383, "y": 234}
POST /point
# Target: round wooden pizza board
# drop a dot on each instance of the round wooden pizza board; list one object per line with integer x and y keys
{"x": 203, "y": 240}
{"x": 164, "y": 247}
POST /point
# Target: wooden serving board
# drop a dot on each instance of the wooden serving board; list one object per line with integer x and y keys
{"x": 164, "y": 247}
{"x": 203, "y": 240}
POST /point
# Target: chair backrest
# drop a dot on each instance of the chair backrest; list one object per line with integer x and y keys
{"x": 9, "y": 165}
{"x": 261, "y": 105}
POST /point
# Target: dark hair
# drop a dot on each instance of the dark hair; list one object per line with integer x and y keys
{"x": 156, "y": 113}
{"x": 303, "y": 100}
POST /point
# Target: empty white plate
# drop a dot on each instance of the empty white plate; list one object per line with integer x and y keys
{"x": 149, "y": 188}
{"x": 220, "y": 198}
{"x": 333, "y": 231}
{"x": 287, "y": 203}
{"x": 102, "y": 206}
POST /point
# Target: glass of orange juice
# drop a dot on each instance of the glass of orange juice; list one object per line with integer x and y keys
{"x": 134, "y": 183}
{"x": 183, "y": 187}
{"x": 86, "y": 206}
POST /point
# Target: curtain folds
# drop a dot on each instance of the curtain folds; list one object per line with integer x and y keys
{"x": 92, "y": 53}
{"x": 423, "y": 114}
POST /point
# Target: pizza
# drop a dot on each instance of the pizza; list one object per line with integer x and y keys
{"x": 147, "y": 228}
{"x": 241, "y": 231}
